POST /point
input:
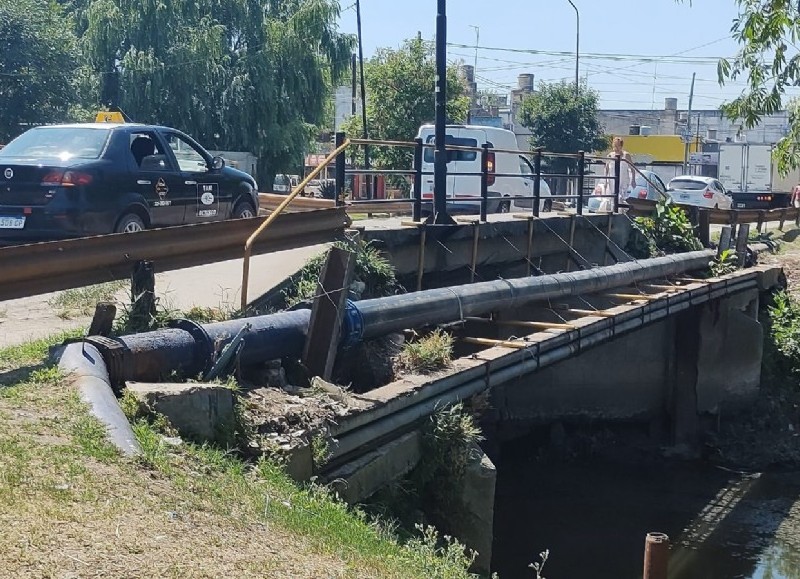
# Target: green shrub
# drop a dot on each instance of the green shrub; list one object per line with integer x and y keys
{"x": 668, "y": 230}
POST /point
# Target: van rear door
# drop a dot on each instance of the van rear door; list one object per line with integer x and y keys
{"x": 466, "y": 180}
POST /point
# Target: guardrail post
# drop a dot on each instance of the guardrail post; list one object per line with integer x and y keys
{"x": 704, "y": 227}
{"x": 581, "y": 169}
{"x": 416, "y": 211}
{"x": 340, "y": 170}
{"x": 741, "y": 243}
{"x": 537, "y": 182}
{"x": 617, "y": 168}
{"x": 484, "y": 180}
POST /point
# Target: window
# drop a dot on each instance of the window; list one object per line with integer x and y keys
{"x": 58, "y": 142}
{"x": 189, "y": 157}
{"x": 524, "y": 168}
{"x": 687, "y": 184}
{"x": 452, "y": 155}
{"x": 148, "y": 153}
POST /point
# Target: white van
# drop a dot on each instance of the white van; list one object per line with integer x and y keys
{"x": 502, "y": 190}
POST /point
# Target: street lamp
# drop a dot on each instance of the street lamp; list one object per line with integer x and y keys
{"x": 577, "y": 43}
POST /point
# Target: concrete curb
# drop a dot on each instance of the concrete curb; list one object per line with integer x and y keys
{"x": 84, "y": 364}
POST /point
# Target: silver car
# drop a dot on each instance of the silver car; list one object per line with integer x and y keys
{"x": 700, "y": 191}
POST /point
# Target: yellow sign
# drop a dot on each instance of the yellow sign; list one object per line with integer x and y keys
{"x": 109, "y": 117}
{"x": 656, "y": 148}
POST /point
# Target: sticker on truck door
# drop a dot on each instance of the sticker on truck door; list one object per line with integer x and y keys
{"x": 207, "y": 199}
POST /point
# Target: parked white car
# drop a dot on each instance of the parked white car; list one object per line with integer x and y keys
{"x": 700, "y": 191}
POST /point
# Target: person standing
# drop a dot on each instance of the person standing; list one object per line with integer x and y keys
{"x": 627, "y": 175}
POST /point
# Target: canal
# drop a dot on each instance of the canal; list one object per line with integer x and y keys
{"x": 593, "y": 516}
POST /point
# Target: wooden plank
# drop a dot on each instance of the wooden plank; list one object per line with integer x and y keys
{"x": 525, "y": 324}
{"x": 517, "y": 345}
{"x": 327, "y": 313}
{"x": 633, "y": 297}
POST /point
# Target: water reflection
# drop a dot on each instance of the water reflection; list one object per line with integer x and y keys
{"x": 594, "y": 517}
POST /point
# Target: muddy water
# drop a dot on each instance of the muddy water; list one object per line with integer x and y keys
{"x": 593, "y": 517}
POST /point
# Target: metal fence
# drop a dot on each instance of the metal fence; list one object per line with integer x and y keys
{"x": 536, "y": 160}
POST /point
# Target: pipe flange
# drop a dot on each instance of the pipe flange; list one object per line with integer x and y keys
{"x": 352, "y": 326}
{"x": 204, "y": 353}
{"x": 115, "y": 355}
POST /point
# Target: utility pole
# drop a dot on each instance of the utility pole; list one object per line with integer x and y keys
{"x": 477, "y": 43}
{"x": 439, "y": 215}
{"x": 577, "y": 46}
{"x": 363, "y": 94}
{"x": 688, "y": 132}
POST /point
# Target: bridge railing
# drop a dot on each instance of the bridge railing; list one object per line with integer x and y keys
{"x": 538, "y": 162}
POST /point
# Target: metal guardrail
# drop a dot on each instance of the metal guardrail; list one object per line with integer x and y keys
{"x": 645, "y": 207}
{"x": 248, "y": 245}
{"x": 58, "y": 265}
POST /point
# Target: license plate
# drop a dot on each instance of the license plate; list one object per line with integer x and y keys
{"x": 684, "y": 197}
{"x": 740, "y": 205}
{"x": 7, "y": 222}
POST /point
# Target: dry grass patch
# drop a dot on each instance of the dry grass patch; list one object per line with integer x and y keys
{"x": 429, "y": 353}
{"x": 71, "y": 506}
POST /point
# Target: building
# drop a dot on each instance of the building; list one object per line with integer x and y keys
{"x": 706, "y": 124}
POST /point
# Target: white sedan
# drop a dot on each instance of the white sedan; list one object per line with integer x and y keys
{"x": 700, "y": 191}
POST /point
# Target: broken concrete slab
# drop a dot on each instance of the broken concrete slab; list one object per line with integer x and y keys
{"x": 201, "y": 412}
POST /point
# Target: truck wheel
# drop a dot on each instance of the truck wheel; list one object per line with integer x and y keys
{"x": 244, "y": 210}
{"x": 129, "y": 223}
{"x": 504, "y": 207}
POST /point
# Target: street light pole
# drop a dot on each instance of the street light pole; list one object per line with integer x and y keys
{"x": 439, "y": 215}
{"x": 577, "y": 44}
{"x": 365, "y": 132}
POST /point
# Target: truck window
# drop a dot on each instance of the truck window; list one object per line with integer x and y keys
{"x": 452, "y": 155}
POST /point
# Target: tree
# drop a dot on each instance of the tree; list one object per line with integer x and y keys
{"x": 235, "y": 74}
{"x": 563, "y": 122}
{"x": 38, "y": 51}
{"x": 400, "y": 94}
{"x": 767, "y": 31}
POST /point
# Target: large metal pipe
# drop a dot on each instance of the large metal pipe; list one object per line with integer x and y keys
{"x": 188, "y": 348}
{"x": 382, "y": 316}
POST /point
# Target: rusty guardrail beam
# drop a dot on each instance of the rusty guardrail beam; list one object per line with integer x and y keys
{"x": 57, "y": 265}
{"x": 644, "y": 207}
{"x": 271, "y": 201}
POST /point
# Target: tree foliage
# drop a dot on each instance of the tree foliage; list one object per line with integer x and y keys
{"x": 38, "y": 51}
{"x": 236, "y": 74}
{"x": 561, "y": 121}
{"x": 769, "y": 61}
{"x": 400, "y": 94}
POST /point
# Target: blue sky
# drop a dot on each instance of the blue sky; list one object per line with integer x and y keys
{"x": 693, "y": 36}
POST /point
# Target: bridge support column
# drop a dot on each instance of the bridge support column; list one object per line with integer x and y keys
{"x": 684, "y": 384}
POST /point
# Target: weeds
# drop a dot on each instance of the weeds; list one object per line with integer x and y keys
{"x": 372, "y": 269}
{"x": 427, "y": 354}
{"x": 539, "y": 567}
{"x": 81, "y": 302}
{"x": 782, "y": 354}
{"x": 206, "y": 315}
{"x": 726, "y": 262}
{"x": 668, "y": 230}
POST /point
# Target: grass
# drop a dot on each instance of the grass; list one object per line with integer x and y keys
{"x": 80, "y": 302}
{"x": 427, "y": 354}
{"x": 72, "y": 506}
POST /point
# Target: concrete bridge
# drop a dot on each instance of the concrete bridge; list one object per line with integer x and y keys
{"x": 675, "y": 352}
